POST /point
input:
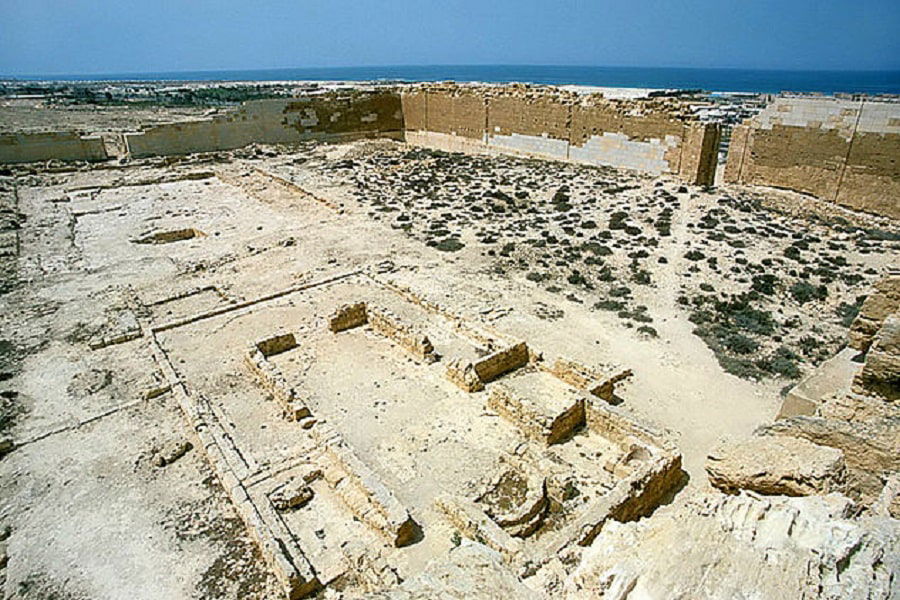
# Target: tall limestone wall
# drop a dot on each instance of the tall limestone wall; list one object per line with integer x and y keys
{"x": 54, "y": 145}
{"x": 654, "y": 136}
{"x": 843, "y": 151}
{"x": 277, "y": 121}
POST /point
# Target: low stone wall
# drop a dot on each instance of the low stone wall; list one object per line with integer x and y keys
{"x": 288, "y": 562}
{"x": 270, "y": 378}
{"x": 634, "y": 496}
{"x": 653, "y": 136}
{"x": 475, "y": 524}
{"x": 472, "y": 375}
{"x": 406, "y": 336}
{"x": 387, "y": 324}
{"x": 503, "y": 361}
{"x": 362, "y": 491}
{"x": 614, "y": 424}
{"x": 839, "y": 150}
{"x": 532, "y": 420}
{"x": 599, "y": 382}
{"x": 277, "y": 121}
{"x": 55, "y": 145}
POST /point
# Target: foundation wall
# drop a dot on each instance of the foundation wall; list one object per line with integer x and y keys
{"x": 494, "y": 365}
{"x": 843, "y": 151}
{"x": 56, "y": 145}
{"x": 648, "y": 136}
{"x": 276, "y": 121}
{"x": 406, "y": 336}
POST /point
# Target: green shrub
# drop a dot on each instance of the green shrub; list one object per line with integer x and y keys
{"x": 804, "y": 292}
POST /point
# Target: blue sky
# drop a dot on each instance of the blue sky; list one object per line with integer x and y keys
{"x": 81, "y": 37}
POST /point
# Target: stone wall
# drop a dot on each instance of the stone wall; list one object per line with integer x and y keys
{"x": 404, "y": 335}
{"x": 533, "y": 419}
{"x": 55, "y": 145}
{"x": 843, "y": 151}
{"x": 654, "y": 136}
{"x": 276, "y": 121}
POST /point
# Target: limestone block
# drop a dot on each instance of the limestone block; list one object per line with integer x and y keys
{"x": 463, "y": 374}
{"x": 503, "y": 361}
{"x": 291, "y": 494}
{"x": 276, "y": 344}
{"x": 830, "y": 379}
{"x": 742, "y": 547}
{"x": 784, "y": 465}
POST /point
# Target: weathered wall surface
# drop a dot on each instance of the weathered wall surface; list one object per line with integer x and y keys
{"x": 277, "y": 121}
{"x": 844, "y": 151}
{"x": 653, "y": 136}
{"x": 530, "y": 125}
{"x": 58, "y": 145}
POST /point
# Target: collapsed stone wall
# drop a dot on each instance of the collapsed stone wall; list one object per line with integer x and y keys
{"x": 276, "y": 121}
{"x": 843, "y": 151}
{"x": 54, "y": 145}
{"x": 654, "y": 136}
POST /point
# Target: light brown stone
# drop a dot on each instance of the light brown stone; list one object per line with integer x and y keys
{"x": 782, "y": 465}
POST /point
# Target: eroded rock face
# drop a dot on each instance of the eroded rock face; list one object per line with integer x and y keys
{"x": 744, "y": 546}
{"x": 783, "y": 465}
{"x": 871, "y": 449}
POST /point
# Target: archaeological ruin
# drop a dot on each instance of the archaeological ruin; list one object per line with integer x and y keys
{"x": 449, "y": 340}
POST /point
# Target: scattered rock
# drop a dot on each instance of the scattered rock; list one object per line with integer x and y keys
{"x": 170, "y": 452}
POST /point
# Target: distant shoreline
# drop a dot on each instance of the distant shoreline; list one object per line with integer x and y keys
{"x": 719, "y": 80}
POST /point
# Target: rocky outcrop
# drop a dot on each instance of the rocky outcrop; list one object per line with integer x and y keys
{"x": 785, "y": 465}
{"x": 881, "y": 303}
{"x": 717, "y": 546}
{"x": 871, "y": 449}
{"x": 880, "y": 375}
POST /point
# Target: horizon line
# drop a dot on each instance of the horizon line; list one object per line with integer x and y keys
{"x": 119, "y": 75}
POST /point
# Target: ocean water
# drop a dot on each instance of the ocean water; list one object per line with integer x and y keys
{"x": 722, "y": 80}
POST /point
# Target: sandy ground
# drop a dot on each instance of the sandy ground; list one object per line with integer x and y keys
{"x": 90, "y": 512}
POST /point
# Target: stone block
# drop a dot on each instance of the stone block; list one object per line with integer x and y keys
{"x": 503, "y": 361}
{"x": 777, "y": 466}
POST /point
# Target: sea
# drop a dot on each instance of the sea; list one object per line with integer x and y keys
{"x": 713, "y": 80}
